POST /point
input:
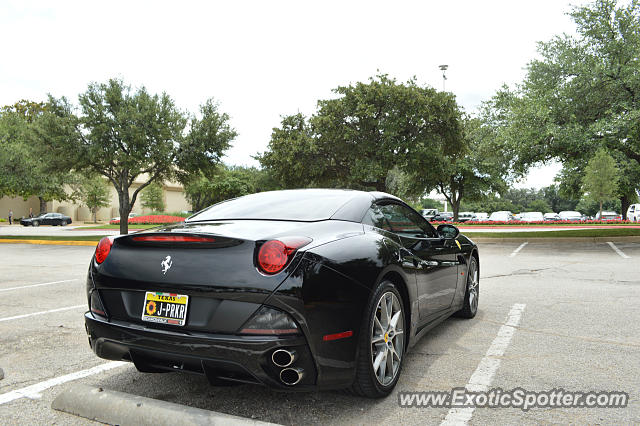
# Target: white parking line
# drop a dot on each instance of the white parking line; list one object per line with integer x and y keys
{"x": 617, "y": 250}
{"x": 518, "y": 249}
{"x": 36, "y": 285}
{"x": 43, "y": 312}
{"x": 483, "y": 376}
{"x": 33, "y": 391}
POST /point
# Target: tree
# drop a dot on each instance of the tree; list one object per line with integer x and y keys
{"x": 583, "y": 94}
{"x": 227, "y": 183}
{"x": 94, "y": 193}
{"x": 25, "y": 170}
{"x": 153, "y": 197}
{"x": 356, "y": 139}
{"x": 127, "y": 135}
{"x": 538, "y": 206}
{"x": 481, "y": 169}
{"x": 208, "y": 138}
{"x": 293, "y": 158}
{"x": 601, "y": 178}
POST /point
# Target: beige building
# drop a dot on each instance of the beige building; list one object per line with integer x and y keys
{"x": 174, "y": 200}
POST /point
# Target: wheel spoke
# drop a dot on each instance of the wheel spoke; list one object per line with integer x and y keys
{"x": 384, "y": 314}
{"x": 395, "y": 318}
{"x": 377, "y": 339}
{"x": 389, "y": 303}
{"x": 390, "y": 363}
{"x": 383, "y": 366}
{"x": 376, "y": 323}
{"x": 378, "y": 360}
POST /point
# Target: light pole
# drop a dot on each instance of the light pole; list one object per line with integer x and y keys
{"x": 443, "y": 68}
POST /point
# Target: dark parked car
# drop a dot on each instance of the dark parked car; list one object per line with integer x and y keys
{"x": 301, "y": 289}
{"x": 55, "y": 219}
{"x": 443, "y": 217}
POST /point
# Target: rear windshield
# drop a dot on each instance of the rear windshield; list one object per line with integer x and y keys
{"x": 306, "y": 205}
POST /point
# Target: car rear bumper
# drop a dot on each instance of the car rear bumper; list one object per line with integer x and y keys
{"x": 237, "y": 358}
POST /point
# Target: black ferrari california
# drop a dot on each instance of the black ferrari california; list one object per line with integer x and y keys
{"x": 301, "y": 289}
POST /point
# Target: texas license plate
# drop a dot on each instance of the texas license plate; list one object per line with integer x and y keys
{"x": 165, "y": 308}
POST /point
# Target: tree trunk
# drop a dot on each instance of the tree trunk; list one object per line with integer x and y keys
{"x": 455, "y": 206}
{"x": 625, "y": 202}
{"x": 43, "y": 205}
{"x": 125, "y": 209}
{"x": 600, "y": 211}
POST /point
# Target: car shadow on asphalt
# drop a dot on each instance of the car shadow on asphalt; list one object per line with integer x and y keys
{"x": 265, "y": 404}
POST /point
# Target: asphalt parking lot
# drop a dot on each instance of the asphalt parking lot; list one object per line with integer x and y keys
{"x": 578, "y": 329}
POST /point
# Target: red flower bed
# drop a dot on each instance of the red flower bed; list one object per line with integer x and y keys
{"x": 156, "y": 219}
{"x": 539, "y": 222}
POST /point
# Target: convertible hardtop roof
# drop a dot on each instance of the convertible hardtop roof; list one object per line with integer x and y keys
{"x": 305, "y": 205}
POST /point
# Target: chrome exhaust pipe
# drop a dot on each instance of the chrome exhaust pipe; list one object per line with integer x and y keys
{"x": 291, "y": 376}
{"x": 283, "y": 357}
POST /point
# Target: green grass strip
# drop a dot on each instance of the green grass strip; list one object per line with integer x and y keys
{"x": 53, "y": 237}
{"x": 571, "y": 233}
{"x": 107, "y": 226}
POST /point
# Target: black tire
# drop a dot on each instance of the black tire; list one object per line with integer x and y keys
{"x": 36, "y": 223}
{"x": 63, "y": 223}
{"x": 366, "y": 382}
{"x": 470, "y": 303}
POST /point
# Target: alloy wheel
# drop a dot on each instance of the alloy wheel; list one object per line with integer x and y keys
{"x": 387, "y": 338}
{"x": 473, "y": 288}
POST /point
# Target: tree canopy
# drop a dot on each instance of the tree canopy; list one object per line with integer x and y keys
{"x": 356, "y": 139}
{"x": 582, "y": 94}
{"x": 128, "y": 135}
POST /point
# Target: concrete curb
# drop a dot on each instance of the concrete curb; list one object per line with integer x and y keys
{"x": 533, "y": 240}
{"x": 51, "y": 242}
{"x": 118, "y": 408}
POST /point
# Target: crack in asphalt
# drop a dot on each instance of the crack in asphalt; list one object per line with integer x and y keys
{"x": 520, "y": 272}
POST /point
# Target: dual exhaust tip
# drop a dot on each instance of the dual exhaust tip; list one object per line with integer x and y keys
{"x": 284, "y": 358}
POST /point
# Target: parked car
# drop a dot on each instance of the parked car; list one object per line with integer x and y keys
{"x": 466, "y": 216}
{"x": 569, "y": 215}
{"x": 532, "y": 217}
{"x": 481, "y": 216}
{"x": 130, "y": 216}
{"x": 55, "y": 219}
{"x": 300, "y": 289}
{"x": 633, "y": 213}
{"x": 429, "y": 213}
{"x": 501, "y": 216}
{"x": 608, "y": 216}
{"x": 550, "y": 217}
{"x": 443, "y": 217}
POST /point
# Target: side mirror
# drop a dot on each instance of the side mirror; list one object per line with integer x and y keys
{"x": 448, "y": 232}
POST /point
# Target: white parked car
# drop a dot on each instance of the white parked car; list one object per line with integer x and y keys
{"x": 551, "y": 216}
{"x": 633, "y": 213}
{"x": 501, "y": 216}
{"x": 569, "y": 215}
{"x": 481, "y": 216}
{"x": 130, "y": 216}
{"x": 532, "y": 217}
{"x": 608, "y": 216}
{"x": 466, "y": 216}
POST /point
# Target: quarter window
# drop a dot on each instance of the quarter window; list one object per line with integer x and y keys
{"x": 399, "y": 220}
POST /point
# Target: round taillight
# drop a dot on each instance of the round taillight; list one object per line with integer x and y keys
{"x": 274, "y": 255}
{"x": 103, "y": 249}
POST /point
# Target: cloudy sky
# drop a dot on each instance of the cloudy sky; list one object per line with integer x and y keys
{"x": 263, "y": 59}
